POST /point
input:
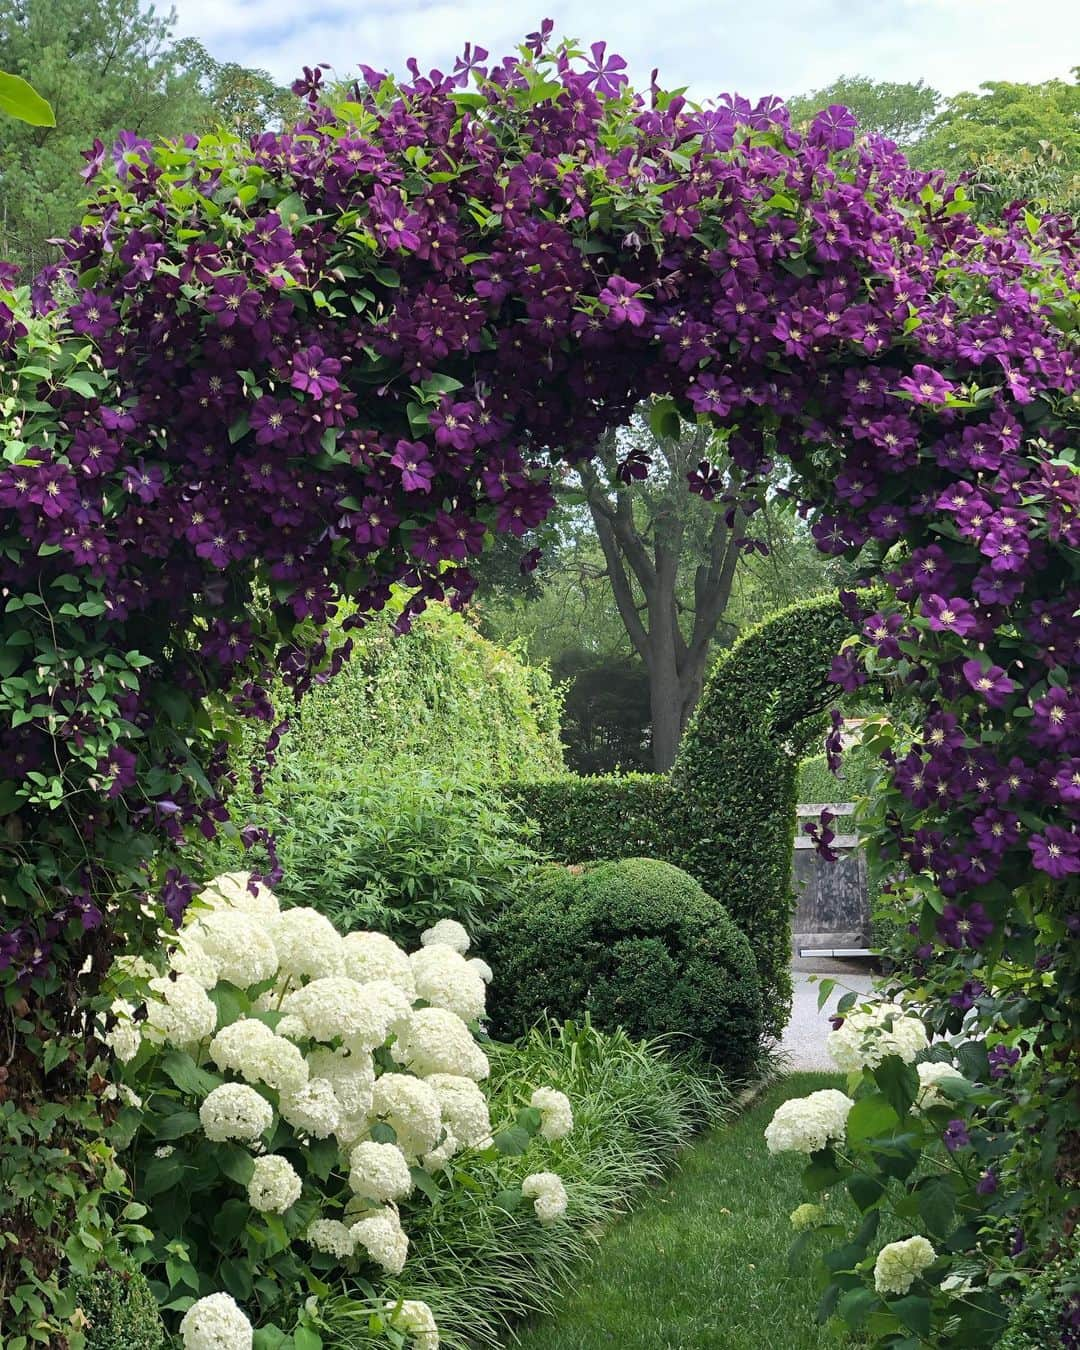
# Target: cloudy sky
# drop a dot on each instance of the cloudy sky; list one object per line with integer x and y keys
{"x": 752, "y": 47}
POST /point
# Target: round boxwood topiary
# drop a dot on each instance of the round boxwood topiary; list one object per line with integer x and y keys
{"x": 120, "y": 1311}
{"x": 636, "y": 944}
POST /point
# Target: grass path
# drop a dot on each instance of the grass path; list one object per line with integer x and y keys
{"x": 703, "y": 1265}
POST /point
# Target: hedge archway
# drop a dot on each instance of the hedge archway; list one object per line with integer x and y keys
{"x": 269, "y": 375}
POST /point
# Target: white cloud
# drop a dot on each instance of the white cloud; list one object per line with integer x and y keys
{"x": 711, "y": 45}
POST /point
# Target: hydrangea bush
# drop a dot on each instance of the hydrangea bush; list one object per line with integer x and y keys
{"x": 269, "y": 374}
{"x": 917, "y": 1143}
{"x": 287, "y": 1094}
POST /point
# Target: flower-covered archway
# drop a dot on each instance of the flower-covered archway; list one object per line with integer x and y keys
{"x": 270, "y": 375}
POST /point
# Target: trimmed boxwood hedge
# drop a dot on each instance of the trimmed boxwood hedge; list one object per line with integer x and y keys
{"x": 726, "y": 813}
{"x": 635, "y": 944}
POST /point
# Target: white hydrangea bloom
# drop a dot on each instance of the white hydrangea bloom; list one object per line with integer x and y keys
{"x": 412, "y": 1109}
{"x": 446, "y": 933}
{"x": 189, "y": 957}
{"x": 336, "y": 1007}
{"x": 293, "y": 1028}
{"x": 807, "y": 1216}
{"x": 930, "y": 1075}
{"x": 482, "y": 969}
{"x": 238, "y": 944}
{"x": 308, "y": 945}
{"x": 383, "y": 1238}
{"x": 235, "y": 1111}
{"x": 232, "y": 890}
{"x": 548, "y": 1195}
{"x": 251, "y": 1049}
{"x": 183, "y": 1015}
{"x": 125, "y": 1037}
{"x": 866, "y": 1038}
{"x": 314, "y": 1110}
{"x": 416, "y": 1319}
{"x": 806, "y": 1124}
{"x": 333, "y": 1237}
{"x": 274, "y": 1186}
{"x": 464, "y": 1108}
{"x": 374, "y": 956}
{"x": 446, "y": 980}
{"x": 439, "y": 1156}
{"x": 900, "y": 1264}
{"x": 436, "y": 1041}
{"x": 216, "y": 1323}
{"x": 352, "y": 1076}
{"x": 379, "y": 1172}
{"x": 557, "y": 1116}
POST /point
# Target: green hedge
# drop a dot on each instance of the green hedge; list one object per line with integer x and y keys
{"x": 635, "y": 944}
{"x": 726, "y": 813}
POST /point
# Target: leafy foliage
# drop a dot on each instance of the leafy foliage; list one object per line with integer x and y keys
{"x": 440, "y": 697}
{"x": 391, "y": 849}
{"x": 119, "y": 1311}
{"x": 636, "y": 944}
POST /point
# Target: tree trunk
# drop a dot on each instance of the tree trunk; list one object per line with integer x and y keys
{"x": 666, "y": 711}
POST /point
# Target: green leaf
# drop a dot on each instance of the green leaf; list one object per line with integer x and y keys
{"x": 182, "y": 1070}
{"x": 424, "y": 1181}
{"x": 162, "y": 1174}
{"x": 513, "y": 1142}
{"x": 231, "y": 1003}
{"x": 937, "y": 1206}
{"x": 899, "y": 1082}
{"x": 235, "y": 1162}
{"x": 322, "y": 1157}
{"x": 914, "y": 1312}
{"x": 530, "y": 1120}
{"x": 228, "y": 1223}
{"x": 664, "y": 420}
{"x": 236, "y": 1277}
{"x": 21, "y": 100}
{"x": 870, "y": 1117}
{"x": 509, "y": 1199}
{"x": 306, "y": 1339}
{"x": 823, "y": 1170}
{"x": 268, "y": 1338}
{"x": 176, "y": 1126}
{"x": 383, "y": 1133}
{"x": 825, "y": 988}
{"x": 856, "y": 1306}
{"x": 864, "y": 1190}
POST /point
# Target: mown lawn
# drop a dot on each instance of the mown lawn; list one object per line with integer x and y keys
{"x": 703, "y": 1264}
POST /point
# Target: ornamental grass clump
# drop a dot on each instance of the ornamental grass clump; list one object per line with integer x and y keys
{"x": 287, "y": 1122}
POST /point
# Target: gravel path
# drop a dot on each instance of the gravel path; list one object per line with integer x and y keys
{"x": 803, "y": 1042}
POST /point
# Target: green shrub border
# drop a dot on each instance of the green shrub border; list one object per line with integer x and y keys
{"x": 726, "y": 812}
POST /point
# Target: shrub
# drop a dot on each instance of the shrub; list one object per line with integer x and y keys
{"x": 393, "y": 850}
{"x": 440, "y": 696}
{"x": 635, "y": 944}
{"x": 120, "y": 1311}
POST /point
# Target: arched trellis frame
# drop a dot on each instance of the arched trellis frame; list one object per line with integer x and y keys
{"x": 266, "y": 375}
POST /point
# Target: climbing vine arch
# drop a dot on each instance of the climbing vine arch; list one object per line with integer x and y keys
{"x": 267, "y": 375}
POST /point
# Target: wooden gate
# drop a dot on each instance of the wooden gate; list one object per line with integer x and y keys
{"x": 832, "y": 904}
